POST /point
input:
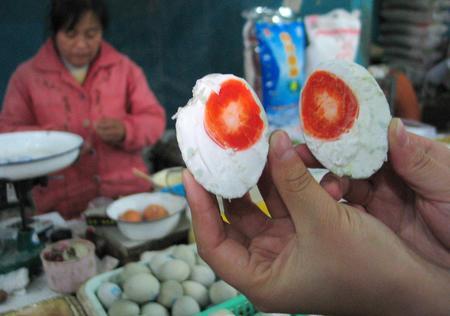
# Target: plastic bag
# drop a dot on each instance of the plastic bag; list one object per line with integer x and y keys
{"x": 332, "y": 36}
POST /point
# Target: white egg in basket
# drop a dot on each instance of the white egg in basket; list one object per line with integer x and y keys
{"x": 145, "y": 230}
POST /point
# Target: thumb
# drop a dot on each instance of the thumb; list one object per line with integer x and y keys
{"x": 412, "y": 159}
{"x": 305, "y": 199}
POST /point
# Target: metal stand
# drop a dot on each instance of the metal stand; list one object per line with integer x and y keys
{"x": 22, "y": 189}
{"x": 26, "y": 249}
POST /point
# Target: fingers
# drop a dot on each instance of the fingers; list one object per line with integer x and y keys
{"x": 270, "y": 194}
{"x": 333, "y": 185}
{"x": 110, "y": 130}
{"x": 424, "y": 165}
{"x": 227, "y": 256}
{"x": 359, "y": 192}
{"x": 306, "y": 201}
{"x": 246, "y": 218}
{"x": 307, "y": 157}
{"x": 268, "y": 190}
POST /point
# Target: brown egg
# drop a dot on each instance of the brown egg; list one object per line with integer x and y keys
{"x": 131, "y": 216}
{"x": 154, "y": 211}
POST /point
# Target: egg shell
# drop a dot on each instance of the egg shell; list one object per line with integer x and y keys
{"x": 141, "y": 288}
{"x": 153, "y": 309}
{"x": 225, "y": 172}
{"x": 362, "y": 150}
{"x": 108, "y": 293}
{"x": 221, "y": 291}
{"x": 185, "y": 253}
{"x": 131, "y": 269}
{"x": 170, "y": 291}
{"x": 185, "y": 306}
{"x": 197, "y": 291}
{"x": 124, "y": 307}
{"x": 175, "y": 269}
{"x": 158, "y": 260}
{"x": 202, "y": 274}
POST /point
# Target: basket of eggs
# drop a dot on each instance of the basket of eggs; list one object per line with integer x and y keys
{"x": 146, "y": 216}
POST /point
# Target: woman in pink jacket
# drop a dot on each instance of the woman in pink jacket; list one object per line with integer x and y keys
{"x": 79, "y": 83}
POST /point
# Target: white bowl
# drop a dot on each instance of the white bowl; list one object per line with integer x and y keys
{"x": 147, "y": 229}
{"x": 26, "y": 155}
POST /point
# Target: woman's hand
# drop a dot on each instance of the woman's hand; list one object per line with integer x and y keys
{"x": 411, "y": 194}
{"x": 110, "y": 130}
{"x": 315, "y": 255}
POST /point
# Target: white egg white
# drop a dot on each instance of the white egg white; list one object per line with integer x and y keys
{"x": 224, "y": 172}
{"x": 361, "y": 151}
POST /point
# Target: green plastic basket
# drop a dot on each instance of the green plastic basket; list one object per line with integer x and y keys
{"x": 239, "y": 305}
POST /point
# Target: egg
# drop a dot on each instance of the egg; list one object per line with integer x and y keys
{"x": 154, "y": 309}
{"x": 124, "y": 307}
{"x": 345, "y": 118}
{"x": 108, "y": 293}
{"x": 158, "y": 260}
{"x": 221, "y": 291}
{"x": 202, "y": 274}
{"x": 131, "y": 269}
{"x": 197, "y": 291}
{"x": 185, "y": 306}
{"x": 170, "y": 291}
{"x": 154, "y": 212}
{"x": 131, "y": 216}
{"x": 141, "y": 288}
{"x": 185, "y": 253}
{"x": 175, "y": 269}
{"x": 223, "y": 135}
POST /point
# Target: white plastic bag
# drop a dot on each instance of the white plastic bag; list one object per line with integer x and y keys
{"x": 334, "y": 35}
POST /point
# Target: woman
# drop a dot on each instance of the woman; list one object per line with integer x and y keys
{"x": 79, "y": 83}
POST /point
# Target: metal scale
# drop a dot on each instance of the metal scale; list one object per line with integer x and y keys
{"x": 26, "y": 158}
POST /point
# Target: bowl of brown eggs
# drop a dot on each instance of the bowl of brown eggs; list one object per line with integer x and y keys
{"x": 145, "y": 216}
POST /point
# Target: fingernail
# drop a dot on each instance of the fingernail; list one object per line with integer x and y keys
{"x": 281, "y": 145}
{"x": 400, "y": 133}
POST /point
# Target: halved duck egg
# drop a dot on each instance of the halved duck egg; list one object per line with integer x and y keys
{"x": 223, "y": 136}
{"x": 345, "y": 119}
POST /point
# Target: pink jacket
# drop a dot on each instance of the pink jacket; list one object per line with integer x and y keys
{"x": 43, "y": 95}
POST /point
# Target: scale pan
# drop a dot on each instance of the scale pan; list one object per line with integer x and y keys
{"x": 26, "y": 155}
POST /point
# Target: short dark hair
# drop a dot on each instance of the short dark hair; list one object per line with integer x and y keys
{"x": 65, "y": 14}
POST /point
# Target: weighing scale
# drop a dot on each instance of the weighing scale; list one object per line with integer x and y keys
{"x": 26, "y": 159}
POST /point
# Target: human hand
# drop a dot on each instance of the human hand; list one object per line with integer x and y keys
{"x": 316, "y": 255}
{"x": 110, "y": 130}
{"x": 410, "y": 194}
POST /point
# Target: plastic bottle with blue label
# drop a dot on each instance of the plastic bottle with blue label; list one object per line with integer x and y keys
{"x": 274, "y": 62}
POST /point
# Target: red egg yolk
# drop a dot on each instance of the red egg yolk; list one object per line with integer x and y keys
{"x": 232, "y": 117}
{"x": 328, "y": 106}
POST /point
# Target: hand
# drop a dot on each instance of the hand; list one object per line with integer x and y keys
{"x": 110, "y": 130}
{"x": 85, "y": 148}
{"x": 316, "y": 255}
{"x": 411, "y": 194}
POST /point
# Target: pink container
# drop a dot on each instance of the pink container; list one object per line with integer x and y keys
{"x": 67, "y": 276}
